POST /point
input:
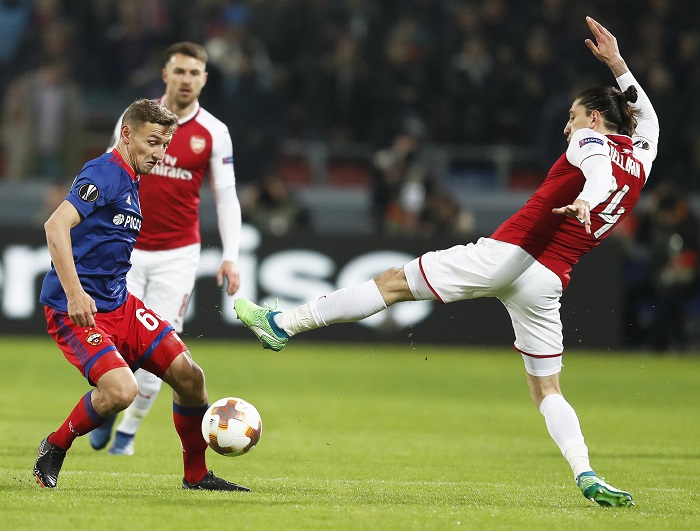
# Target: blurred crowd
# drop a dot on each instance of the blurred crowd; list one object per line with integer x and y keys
{"x": 661, "y": 273}
{"x": 470, "y": 71}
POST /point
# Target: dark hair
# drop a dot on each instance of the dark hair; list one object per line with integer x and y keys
{"x": 614, "y": 106}
{"x": 190, "y": 49}
{"x": 149, "y": 111}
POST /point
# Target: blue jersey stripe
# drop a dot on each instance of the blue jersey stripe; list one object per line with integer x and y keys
{"x": 190, "y": 411}
{"x": 94, "y": 415}
{"x": 88, "y": 366}
{"x": 153, "y": 347}
{"x": 66, "y": 333}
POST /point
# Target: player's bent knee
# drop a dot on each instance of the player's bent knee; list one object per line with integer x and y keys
{"x": 117, "y": 390}
{"x": 186, "y": 378}
{"x": 393, "y": 286}
{"x": 124, "y": 396}
{"x": 541, "y": 386}
{"x": 390, "y": 276}
{"x": 194, "y": 379}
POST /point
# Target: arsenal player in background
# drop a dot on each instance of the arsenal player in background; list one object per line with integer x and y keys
{"x": 165, "y": 258}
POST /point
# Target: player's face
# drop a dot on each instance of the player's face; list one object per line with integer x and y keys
{"x": 146, "y": 146}
{"x": 184, "y": 78}
{"x": 578, "y": 118}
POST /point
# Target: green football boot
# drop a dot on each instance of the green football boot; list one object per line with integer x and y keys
{"x": 597, "y": 490}
{"x": 261, "y": 322}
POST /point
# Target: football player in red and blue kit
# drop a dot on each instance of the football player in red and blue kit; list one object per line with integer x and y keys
{"x": 102, "y": 329}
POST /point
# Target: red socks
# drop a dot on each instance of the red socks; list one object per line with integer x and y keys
{"x": 83, "y": 419}
{"x": 188, "y": 424}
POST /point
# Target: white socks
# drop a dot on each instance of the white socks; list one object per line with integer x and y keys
{"x": 342, "y": 306}
{"x": 564, "y": 428}
{"x": 149, "y": 386}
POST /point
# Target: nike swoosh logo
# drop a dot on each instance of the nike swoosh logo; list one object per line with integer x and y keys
{"x": 260, "y": 332}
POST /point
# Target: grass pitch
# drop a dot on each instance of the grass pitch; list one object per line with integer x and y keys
{"x": 368, "y": 437}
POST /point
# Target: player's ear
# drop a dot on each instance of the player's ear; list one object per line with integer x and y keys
{"x": 596, "y": 119}
{"x": 126, "y": 133}
{"x": 206, "y": 76}
{"x": 164, "y": 75}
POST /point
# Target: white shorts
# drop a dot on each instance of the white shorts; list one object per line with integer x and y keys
{"x": 164, "y": 280}
{"x": 490, "y": 268}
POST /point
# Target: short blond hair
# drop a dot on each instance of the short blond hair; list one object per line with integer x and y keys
{"x": 149, "y": 111}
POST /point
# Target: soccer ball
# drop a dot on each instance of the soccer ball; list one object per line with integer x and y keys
{"x": 231, "y": 426}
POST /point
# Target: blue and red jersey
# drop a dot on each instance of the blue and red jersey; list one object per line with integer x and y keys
{"x": 105, "y": 193}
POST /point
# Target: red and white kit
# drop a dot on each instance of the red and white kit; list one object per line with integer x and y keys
{"x": 165, "y": 258}
{"x": 527, "y": 261}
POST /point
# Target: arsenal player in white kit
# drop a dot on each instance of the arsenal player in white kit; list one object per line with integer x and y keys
{"x": 165, "y": 258}
{"x": 613, "y": 135}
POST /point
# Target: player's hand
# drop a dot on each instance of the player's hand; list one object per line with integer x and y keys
{"x": 229, "y": 271}
{"x": 82, "y": 309}
{"x": 605, "y": 48}
{"x": 580, "y": 210}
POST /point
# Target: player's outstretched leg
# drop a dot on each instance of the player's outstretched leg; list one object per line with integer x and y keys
{"x": 48, "y": 463}
{"x": 100, "y": 436}
{"x": 261, "y": 322}
{"x": 212, "y": 482}
{"x": 597, "y": 490}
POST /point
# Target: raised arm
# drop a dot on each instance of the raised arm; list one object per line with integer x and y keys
{"x": 606, "y": 50}
{"x": 597, "y": 171}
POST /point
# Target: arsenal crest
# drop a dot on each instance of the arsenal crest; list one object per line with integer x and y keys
{"x": 197, "y": 143}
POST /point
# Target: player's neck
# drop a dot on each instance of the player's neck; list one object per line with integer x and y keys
{"x": 604, "y": 131}
{"x": 126, "y": 156}
{"x": 180, "y": 111}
